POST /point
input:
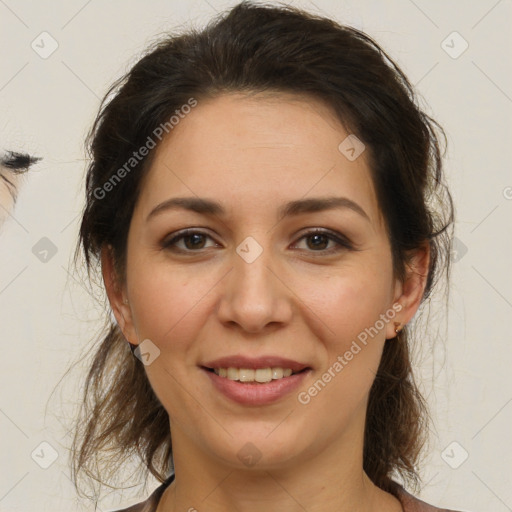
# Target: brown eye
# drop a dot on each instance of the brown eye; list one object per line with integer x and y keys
{"x": 318, "y": 241}
{"x": 196, "y": 241}
{"x": 193, "y": 241}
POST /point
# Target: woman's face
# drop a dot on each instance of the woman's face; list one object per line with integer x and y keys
{"x": 264, "y": 289}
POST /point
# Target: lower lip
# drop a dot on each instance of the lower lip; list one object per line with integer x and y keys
{"x": 255, "y": 393}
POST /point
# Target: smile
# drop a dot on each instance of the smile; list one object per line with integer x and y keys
{"x": 261, "y": 375}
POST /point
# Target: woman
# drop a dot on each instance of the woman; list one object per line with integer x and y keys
{"x": 262, "y": 204}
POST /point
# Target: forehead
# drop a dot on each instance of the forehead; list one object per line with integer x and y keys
{"x": 250, "y": 151}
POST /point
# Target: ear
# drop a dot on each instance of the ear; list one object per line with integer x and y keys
{"x": 409, "y": 292}
{"x": 116, "y": 294}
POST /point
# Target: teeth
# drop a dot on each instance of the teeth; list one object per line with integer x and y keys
{"x": 263, "y": 375}
{"x": 232, "y": 374}
{"x": 250, "y": 375}
{"x": 245, "y": 375}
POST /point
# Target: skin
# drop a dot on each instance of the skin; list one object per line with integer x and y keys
{"x": 296, "y": 300}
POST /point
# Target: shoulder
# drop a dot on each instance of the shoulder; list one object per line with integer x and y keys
{"x": 151, "y": 504}
{"x": 412, "y": 504}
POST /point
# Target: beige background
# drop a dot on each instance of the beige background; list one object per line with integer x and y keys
{"x": 47, "y": 316}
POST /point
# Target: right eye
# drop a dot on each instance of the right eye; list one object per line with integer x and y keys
{"x": 195, "y": 238}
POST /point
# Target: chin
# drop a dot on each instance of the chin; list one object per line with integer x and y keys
{"x": 260, "y": 450}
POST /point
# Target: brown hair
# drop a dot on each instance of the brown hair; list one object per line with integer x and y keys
{"x": 256, "y": 48}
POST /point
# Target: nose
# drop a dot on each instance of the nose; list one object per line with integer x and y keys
{"x": 255, "y": 297}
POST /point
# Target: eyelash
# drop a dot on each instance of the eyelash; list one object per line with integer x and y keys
{"x": 17, "y": 162}
{"x": 343, "y": 242}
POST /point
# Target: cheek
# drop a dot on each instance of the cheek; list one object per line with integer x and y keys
{"x": 168, "y": 309}
{"x": 351, "y": 306}
{"x": 348, "y": 302}
{"x": 355, "y": 335}
{"x": 166, "y": 303}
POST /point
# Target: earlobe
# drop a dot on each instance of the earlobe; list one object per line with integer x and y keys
{"x": 412, "y": 288}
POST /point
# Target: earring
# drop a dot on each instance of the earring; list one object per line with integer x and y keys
{"x": 398, "y": 327}
{"x": 125, "y": 301}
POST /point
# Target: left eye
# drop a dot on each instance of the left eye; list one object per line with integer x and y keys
{"x": 319, "y": 240}
{"x": 194, "y": 241}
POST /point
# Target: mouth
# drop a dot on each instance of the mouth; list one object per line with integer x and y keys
{"x": 255, "y": 382}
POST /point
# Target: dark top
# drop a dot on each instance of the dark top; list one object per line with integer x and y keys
{"x": 409, "y": 502}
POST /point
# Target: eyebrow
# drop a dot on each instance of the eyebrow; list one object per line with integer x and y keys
{"x": 297, "y": 207}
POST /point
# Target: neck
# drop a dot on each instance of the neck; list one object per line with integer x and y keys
{"x": 327, "y": 482}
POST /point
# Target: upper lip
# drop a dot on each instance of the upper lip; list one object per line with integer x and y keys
{"x": 255, "y": 363}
